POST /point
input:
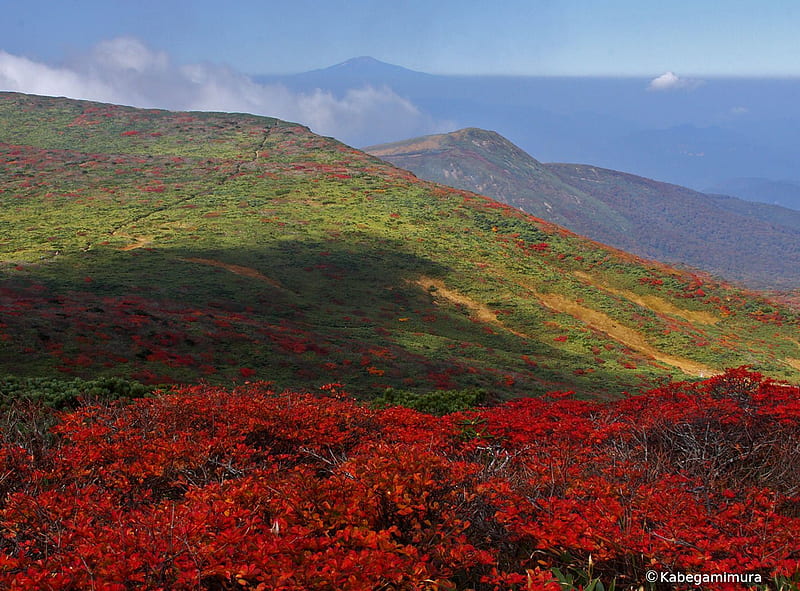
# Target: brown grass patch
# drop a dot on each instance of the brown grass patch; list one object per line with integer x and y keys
{"x": 652, "y": 302}
{"x": 479, "y": 311}
{"x": 138, "y": 242}
{"x": 623, "y": 334}
{"x": 237, "y": 269}
{"x": 593, "y": 318}
{"x": 795, "y": 363}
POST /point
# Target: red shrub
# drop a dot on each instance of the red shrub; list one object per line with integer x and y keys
{"x": 208, "y": 488}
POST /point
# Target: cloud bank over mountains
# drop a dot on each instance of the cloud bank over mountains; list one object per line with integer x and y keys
{"x": 126, "y": 71}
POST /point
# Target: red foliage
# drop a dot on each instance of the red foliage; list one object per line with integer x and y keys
{"x": 214, "y": 489}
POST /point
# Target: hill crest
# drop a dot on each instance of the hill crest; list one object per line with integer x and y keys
{"x": 183, "y": 246}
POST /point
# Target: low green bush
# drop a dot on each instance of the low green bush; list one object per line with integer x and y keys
{"x": 60, "y": 394}
{"x": 436, "y": 402}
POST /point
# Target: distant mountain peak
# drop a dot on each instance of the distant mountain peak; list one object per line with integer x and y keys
{"x": 361, "y": 61}
{"x": 612, "y": 207}
{"x": 366, "y": 66}
{"x": 476, "y": 133}
{"x": 466, "y": 139}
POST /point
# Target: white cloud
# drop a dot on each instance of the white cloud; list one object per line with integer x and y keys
{"x": 671, "y": 81}
{"x": 129, "y": 54}
{"x": 126, "y": 71}
{"x": 23, "y": 75}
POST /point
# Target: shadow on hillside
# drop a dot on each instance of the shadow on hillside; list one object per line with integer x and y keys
{"x": 301, "y": 312}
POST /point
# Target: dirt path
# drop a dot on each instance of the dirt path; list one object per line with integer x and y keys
{"x": 479, "y": 311}
{"x": 623, "y": 334}
{"x": 795, "y": 363}
{"x": 593, "y": 318}
{"x": 138, "y": 242}
{"x": 237, "y": 269}
{"x": 653, "y": 302}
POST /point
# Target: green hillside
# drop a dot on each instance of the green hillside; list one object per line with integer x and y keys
{"x": 211, "y": 246}
{"x": 487, "y": 163}
{"x": 755, "y": 244}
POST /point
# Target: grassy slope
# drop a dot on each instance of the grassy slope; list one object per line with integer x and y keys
{"x": 655, "y": 220}
{"x": 185, "y": 246}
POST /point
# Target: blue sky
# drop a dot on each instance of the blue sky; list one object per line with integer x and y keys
{"x": 202, "y": 54}
{"x": 533, "y": 37}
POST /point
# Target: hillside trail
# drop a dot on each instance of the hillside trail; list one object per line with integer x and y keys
{"x": 652, "y": 302}
{"x": 237, "y": 269}
{"x": 622, "y": 334}
{"x": 593, "y": 318}
{"x": 795, "y": 363}
{"x": 480, "y": 311}
{"x": 138, "y": 242}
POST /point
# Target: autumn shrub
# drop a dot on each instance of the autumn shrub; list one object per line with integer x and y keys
{"x": 208, "y": 488}
{"x": 734, "y": 429}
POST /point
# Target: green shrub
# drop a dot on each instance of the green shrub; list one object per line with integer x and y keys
{"x": 436, "y": 402}
{"x": 67, "y": 393}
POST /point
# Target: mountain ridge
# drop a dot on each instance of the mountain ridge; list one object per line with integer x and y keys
{"x": 616, "y": 208}
{"x": 497, "y": 162}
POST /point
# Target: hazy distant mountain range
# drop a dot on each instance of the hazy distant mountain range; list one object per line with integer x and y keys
{"x": 754, "y": 243}
{"x": 785, "y": 193}
{"x": 704, "y": 134}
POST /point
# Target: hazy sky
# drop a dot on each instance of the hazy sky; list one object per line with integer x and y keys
{"x": 571, "y": 37}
